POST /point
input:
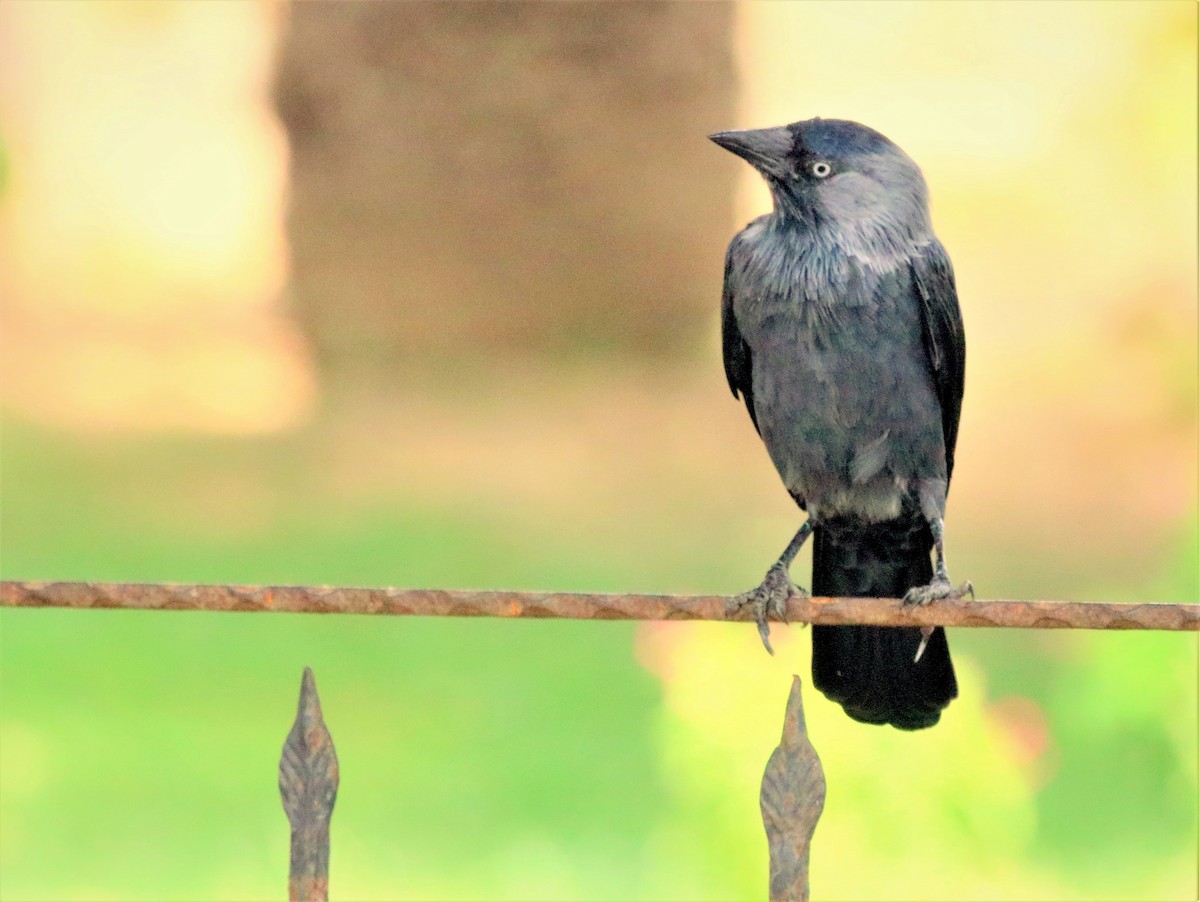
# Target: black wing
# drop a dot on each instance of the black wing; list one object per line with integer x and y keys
{"x": 945, "y": 342}
{"x": 734, "y": 348}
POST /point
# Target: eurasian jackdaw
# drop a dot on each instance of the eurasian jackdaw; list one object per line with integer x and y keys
{"x": 842, "y": 333}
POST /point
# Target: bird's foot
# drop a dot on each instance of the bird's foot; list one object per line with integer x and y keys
{"x": 769, "y": 598}
{"x": 938, "y": 589}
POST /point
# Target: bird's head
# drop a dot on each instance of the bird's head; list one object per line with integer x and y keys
{"x": 836, "y": 172}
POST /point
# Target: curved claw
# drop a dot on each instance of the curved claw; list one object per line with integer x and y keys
{"x": 770, "y": 598}
{"x": 764, "y": 633}
{"x": 926, "y": 632}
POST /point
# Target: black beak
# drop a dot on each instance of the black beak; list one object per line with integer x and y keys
{"x": 766, "y": 149}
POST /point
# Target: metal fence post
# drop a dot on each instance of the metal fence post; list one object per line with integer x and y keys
{"x": 792, "y": 797}
{"x": 308, "y": 781}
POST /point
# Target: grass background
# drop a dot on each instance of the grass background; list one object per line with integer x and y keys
{"x": 525, "y": 759}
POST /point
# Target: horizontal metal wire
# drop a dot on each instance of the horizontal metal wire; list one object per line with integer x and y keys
{"x": 577, "y": 606}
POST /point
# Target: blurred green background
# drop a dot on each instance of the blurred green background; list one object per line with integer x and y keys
{"x": 426, "y": 295}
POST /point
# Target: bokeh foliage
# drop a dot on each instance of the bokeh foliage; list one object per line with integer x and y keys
{"x": 161, "y": 421}
{"x": 523, "y": 760}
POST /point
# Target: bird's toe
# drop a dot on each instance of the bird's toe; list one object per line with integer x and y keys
{"x": 937, "y": 590}
{"x": 768, "y": 599}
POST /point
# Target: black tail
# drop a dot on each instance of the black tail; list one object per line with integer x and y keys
{"x": 869, "y": 670}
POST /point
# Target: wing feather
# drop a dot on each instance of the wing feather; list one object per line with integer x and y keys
{"x": 945, "y": 341}
{"x": 738, "y": 360}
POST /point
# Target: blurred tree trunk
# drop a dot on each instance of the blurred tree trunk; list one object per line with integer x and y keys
{"x": 490, "y": 177}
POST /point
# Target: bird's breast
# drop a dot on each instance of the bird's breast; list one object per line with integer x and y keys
{"x": 842, "y": 389}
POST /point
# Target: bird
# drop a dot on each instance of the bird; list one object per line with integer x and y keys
{"x": 841, "y": 332}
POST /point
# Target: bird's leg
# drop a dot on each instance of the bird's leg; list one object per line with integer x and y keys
{"x": 932, "y": 493}
{"x": 940, "y": 586}
{"x": 771, "y": 596}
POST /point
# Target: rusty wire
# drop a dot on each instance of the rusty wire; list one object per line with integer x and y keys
{"x": 455, "y": 603}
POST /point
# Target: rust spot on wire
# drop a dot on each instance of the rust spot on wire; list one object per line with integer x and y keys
{"x": 308, "y": 782}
